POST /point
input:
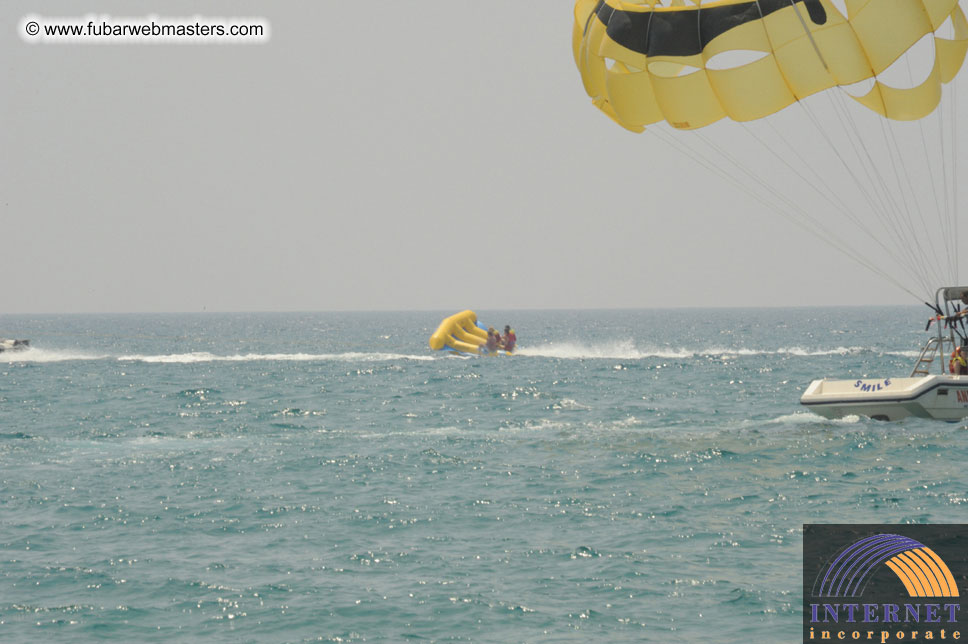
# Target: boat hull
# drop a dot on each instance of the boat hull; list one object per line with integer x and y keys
{"x": 941, "y": 397}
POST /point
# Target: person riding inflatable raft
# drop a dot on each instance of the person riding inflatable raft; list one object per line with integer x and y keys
{"x": 462, "y": 333}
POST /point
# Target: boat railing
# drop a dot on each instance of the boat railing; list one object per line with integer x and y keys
{"x": 936, "y": 346}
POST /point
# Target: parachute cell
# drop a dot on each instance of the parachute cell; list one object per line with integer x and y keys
{"x": 642, "y": 63}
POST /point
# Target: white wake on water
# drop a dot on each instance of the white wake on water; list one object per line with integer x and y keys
{"x": 627, "y": 350}
{"x": 618, "y": 350}
{"x": 58, "y": 355}
{"x": 34, "y": 354}
{"x": 801, "y": 417}
{"x": 204, "y": 356}
{"x": 614, "y": 350}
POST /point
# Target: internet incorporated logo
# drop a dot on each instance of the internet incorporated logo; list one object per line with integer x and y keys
{"x": 909, "y": 591}
{"x": 918, "y": 567}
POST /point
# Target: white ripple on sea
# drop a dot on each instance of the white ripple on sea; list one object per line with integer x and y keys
{"x": 34, "y": 354}
{"x": 801, "y": 417}
{"x": 626, "y": 350}
{"x": 618, "y": 350}
{"x": 58, "y": 355}
{"x": 204, "y": 356}
{"x": 621, "y": 350}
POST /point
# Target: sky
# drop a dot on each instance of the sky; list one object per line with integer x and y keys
{"x": 386, "y": 155}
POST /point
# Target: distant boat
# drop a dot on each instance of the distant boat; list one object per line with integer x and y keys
{"x": 13, "y": 345}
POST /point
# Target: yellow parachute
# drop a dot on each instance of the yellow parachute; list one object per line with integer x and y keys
{"x": 642, "y": 63}
{"x": 883, "y": 191}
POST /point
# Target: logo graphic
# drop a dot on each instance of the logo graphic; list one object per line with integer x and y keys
{"x": 882, "y": 583}
{"x": 922, "y": 572}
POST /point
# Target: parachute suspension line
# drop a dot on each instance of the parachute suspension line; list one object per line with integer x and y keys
{"x": 876, "y": 202}
{"x": 683, "y": 148}
{"x": 790, "y": 205}
{"x": 947, "y": 216}
{"x": 954, "y": 173}
{"x": 808, "y": 32}
{"x": 850, "y": 171}
{"x": 943, "y": 204}
{"x": 805, "y": 221}
{"x": 944, "y": 214}
{"x": 680, "y": 145}
{"x": 943, "y": 258}
{"x": 800, "y": 217}
{"x": 902, "y": 225}
{"x": 944, "y": 272}
{"x": 949, "y": 162}
{"x": 930, "y": 254}
{"x": 813, "y": 42}
{"x": 760, "y": 9}
{"x": 828, "y": 194}
{"x": 948, "y": 124}
{"x": 903, "y": 229}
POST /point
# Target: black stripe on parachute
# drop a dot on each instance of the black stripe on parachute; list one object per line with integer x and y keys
{"x": 687, "y": 31}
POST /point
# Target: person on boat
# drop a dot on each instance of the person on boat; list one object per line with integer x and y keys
{"x": 509, "y": 339}
{"x": 958, "y": 366}
{"x": 493, "y": 341}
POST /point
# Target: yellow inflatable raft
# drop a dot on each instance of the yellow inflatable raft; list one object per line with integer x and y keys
{"x": 460, "y": 332}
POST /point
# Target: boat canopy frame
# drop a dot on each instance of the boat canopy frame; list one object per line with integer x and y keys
{"x": 950, "y": 316}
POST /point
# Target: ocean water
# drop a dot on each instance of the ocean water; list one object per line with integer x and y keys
{"x": 629, "y": 476}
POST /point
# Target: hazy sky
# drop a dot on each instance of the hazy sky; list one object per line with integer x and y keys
{"x": 372, "y": 155}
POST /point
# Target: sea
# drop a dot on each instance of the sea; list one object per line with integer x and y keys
{"x": 627, "y": 476}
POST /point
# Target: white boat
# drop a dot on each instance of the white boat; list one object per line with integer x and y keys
{"x": 931, "y": 391}
{"x": 13, "y": 345}
{"x": 942, "y": 397}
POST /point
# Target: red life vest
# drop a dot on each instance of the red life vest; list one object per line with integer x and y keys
{"x": 509, "y": 340}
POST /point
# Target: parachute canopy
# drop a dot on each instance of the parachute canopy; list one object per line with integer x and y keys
{"x": 883, "y": 191}
{"x": 694, "y": 64}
